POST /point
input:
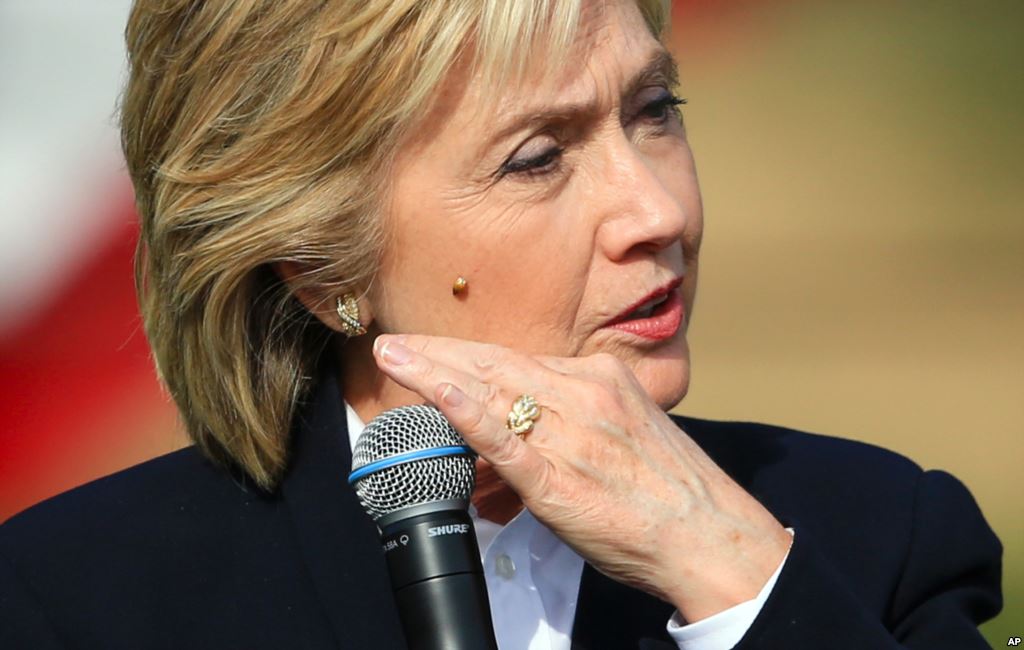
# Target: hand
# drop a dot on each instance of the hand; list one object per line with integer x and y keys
{"x": 604, "y": 468}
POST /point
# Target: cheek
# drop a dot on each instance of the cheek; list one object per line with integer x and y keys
{"x": 523, "y": 285}
{"x": 534, "y": 304}
{"x": 426, "y": 251}
{"x": 528, "y": 285}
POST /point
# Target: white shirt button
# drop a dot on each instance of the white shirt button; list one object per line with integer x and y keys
{"x": 504, "y": 566}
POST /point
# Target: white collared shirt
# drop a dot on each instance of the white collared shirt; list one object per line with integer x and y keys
{"x": 533, "y": 581}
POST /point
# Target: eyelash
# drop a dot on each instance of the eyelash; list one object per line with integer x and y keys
{"x": 538, "y": 165}
{"x": 665, "y": 104}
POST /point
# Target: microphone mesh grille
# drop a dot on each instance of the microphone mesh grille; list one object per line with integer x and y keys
{"x": 401, "y": 430}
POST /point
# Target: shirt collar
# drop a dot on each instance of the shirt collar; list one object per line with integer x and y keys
{"x": 355, "y": 425}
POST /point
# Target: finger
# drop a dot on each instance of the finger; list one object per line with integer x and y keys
{"x": 487, "y": 361}
{"x": 477, "y": 413}
{"x": 424, "y": 375}
{"x": 517, "y": 462}
{"x": 601, "y": 367}
{"x": 493, "y": 362}
{"x": 495, "y": 389}
{"x": 427, "y": 376}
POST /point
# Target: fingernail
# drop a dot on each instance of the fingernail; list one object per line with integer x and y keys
{"x": 395, "y": 353}
{"x": 383, "y": 339}
{"x": 452, "y": 396}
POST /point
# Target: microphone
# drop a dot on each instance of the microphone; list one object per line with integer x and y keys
{"x": 413, "y": 474}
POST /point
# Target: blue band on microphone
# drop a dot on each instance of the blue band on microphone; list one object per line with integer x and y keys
{"x": 407, "y": 457}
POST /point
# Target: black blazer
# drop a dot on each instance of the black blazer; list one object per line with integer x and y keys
{"x": 175, "y": 553}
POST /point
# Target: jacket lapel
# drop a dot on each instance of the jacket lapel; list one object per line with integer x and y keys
{"x": 338, "y": 541}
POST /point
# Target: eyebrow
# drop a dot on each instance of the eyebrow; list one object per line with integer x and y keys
{"x": 661, "y": 67}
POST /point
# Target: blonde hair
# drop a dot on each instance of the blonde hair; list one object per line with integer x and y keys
{"x": 258, "y": 131}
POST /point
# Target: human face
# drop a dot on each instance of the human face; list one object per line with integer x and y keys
{"x": 559, "y": 223}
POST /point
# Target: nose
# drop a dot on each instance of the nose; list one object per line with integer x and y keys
{"x": 643, "y": 202}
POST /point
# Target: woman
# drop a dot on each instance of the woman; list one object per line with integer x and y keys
{"x": 347, "y": 207}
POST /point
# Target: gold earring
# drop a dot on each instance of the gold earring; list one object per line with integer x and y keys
{"x": 348, "y": 313}
{"x": 459, "y": 286}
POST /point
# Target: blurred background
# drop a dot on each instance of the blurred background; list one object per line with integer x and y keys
{"x": 862, "y": 273}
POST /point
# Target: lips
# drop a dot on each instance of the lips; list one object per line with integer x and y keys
{"x": 642, "y": 308}
{"x": 663, "y": 322}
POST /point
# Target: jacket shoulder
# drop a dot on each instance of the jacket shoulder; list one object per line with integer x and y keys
{"x": 826, "y": 484}
{"x": 139, "y": 507}
{"x": 910, "y": 546}
{"x": 751, "y": 450}
{"x": 854, "y": 501}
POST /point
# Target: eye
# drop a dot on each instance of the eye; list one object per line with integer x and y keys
{"x": 539, "y": 155}
{"x": 661, "y": 107}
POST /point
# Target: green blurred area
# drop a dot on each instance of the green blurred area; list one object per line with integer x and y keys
{"x": 863, "y": 264}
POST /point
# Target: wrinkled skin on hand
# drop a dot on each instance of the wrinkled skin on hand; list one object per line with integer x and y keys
{"x": 603, "y": 467}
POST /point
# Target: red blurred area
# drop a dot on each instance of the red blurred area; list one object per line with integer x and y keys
{"x": 77, "y": 389}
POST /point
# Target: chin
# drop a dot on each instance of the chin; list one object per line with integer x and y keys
{"x": 666, "y": 394}
{"x": 665, "y": 378}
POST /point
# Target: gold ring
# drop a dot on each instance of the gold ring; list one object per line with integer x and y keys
{"x": 524, "y": 411}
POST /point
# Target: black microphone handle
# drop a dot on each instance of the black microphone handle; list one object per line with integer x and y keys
{"x": 439, "y": 586}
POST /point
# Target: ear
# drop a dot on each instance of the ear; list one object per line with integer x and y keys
{"x": 321, "y": 305}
